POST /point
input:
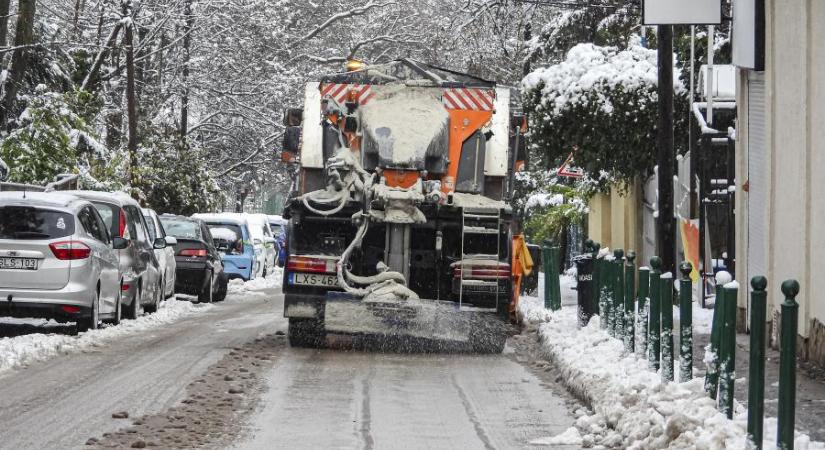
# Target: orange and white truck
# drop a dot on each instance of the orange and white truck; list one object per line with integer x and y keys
{"x": 399, "y": 220}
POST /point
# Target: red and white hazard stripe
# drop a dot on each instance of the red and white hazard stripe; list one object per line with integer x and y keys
{"x": 468, "y": 98}
{"x": 340, "y": 92}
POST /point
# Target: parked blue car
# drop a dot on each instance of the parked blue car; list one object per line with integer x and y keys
{"x": 278, "y": 225}
{"x": 230, "y": 232}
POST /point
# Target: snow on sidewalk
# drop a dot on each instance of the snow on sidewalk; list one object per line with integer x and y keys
{"x": 238, "y": 289}
{"x": 631, "y": 406}
{"x": 22, "y": 350}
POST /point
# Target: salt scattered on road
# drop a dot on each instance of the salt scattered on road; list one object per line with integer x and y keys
{"x": 22, "y": 350}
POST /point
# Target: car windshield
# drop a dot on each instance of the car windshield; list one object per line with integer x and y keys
{"x": 181, "y": 228}
{"x": 24, "y": 222}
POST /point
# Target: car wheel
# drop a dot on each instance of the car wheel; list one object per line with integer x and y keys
{"x": 223, "y": 287}
{"x": 156, "y": 303}
{"x": 134, "y": 309}
{"x": 91, "y": 322}
{"x": 264, "y": 274}
{"x": 118, "y": 309}
{"x": 208, "y": 294}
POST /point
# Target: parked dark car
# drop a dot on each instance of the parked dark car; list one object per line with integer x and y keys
{"x": 199, "y": 266}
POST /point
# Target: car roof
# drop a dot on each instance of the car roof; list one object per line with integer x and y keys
{"x": 41, "y": 199}
{"x": 233, "y": 218}
{"x": 276, "y": 219}
{"x": 118, "y": 198}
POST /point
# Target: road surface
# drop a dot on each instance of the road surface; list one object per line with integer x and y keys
{"x": 173, "y": 383}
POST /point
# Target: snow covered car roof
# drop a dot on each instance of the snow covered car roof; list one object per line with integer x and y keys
{"x": 234, "y": 218}
{"x": 119, "y": 198}
{"x": 277, "y": 219}
{"x": 37, "y": 199}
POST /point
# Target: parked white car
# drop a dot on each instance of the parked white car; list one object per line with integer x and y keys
{"x": 263, "y": 238}
{"x": 57, "y": 260}
{"x": 165, "y": 256}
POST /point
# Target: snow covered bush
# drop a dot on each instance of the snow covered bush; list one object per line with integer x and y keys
{"x": 549, "y": 206}
{"x": 601, "y": 104}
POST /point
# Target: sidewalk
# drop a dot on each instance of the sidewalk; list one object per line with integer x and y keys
{"x": 632, "y": 408}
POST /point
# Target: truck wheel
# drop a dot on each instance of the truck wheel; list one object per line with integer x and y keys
{"x": 306, "y": 333}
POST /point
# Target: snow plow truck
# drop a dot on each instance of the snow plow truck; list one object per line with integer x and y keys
{"x": 399, "y": 224}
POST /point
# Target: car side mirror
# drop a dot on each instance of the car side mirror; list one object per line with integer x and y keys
{"x": 257, "y": 241}
{"x": 171, "y": 241}
{"x": 119, "y": 243}
{"x": 159, "y": 244}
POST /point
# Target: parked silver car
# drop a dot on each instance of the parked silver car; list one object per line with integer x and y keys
{"x": 140, "y": 275}
{"x": 57, "y": 260}
{"x": 165, "y": 256}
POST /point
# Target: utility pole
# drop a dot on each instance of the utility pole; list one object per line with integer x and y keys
{"x": 666, "y": 229}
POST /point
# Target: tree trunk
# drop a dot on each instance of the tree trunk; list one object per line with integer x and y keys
{"x": 131, "y": 106}
{"x": 20, "y": 57}
{"x": 4, "y": 21}
{"x": 79, "y": 5}
{"x": 187, "y": 42}
{"x": 91, "y": 80}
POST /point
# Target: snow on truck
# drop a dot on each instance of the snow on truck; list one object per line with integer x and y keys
{"x": 399, "y": 225}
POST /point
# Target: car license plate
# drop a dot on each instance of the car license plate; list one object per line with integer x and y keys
{"x": 18, "y": 263}
{"x": 311, "y": 279}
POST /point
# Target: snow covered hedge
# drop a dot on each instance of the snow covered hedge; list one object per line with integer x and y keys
{"x": 600, "y": 102}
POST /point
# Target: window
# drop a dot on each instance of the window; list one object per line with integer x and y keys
{"x": 181, "y": 228}
{"x": 150, "y": 227}
{"x": 24, "y": 222}
{"x": 111, "y": 218}
{"x": 90, "y": 223}
{"x": 227, "y": 237}
{"x": 137, "y": 226}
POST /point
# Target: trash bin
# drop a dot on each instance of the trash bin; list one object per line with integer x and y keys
{"x": 585, "y": 288}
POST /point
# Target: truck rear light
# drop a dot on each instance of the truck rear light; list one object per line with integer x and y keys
{"x": 482, "y": 272}
{"x": 193, "y": 252}
{"x": 310, "y": 264}
{"x": 69, "y": 250}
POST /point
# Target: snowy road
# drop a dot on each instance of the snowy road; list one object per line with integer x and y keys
{"x": 299, "y": 398}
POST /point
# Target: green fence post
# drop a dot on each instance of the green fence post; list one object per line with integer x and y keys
{"x": 629, "y": 304}
{"x": 712, "y": 373}
{"x": 666, "y": 301}
{"x": 644, "y": 288}
{"x": 727, "y": 363}
{"x": 787, "y": 365}
{"x": 606, "y": 294}
{"x": 595, "y": 283}
{"x": 756, "y": 375}
{"x": 685, "y": 323}
{"x": 555, "y": 290}
{"x": 654, "y": 315}
{"x": 549, "y": 269}
{"x": 618, "y": 294}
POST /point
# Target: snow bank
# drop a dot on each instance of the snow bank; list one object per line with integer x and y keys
{"x": 22, "y": 350}
{"x": 632, "y": 407}
{"x": 238, "y": 288}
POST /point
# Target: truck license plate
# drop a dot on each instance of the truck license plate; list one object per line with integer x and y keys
{"x": 311, "y": 279}
{"x": 18, "y": 263}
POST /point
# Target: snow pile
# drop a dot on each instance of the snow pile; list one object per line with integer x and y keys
{"x": 571, "y": 436}
{"x": 632, "y": 407}
{"x": 22, "y": 350}
{"x": 238, "y": 287}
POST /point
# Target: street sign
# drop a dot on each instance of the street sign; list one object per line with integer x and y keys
{"x": 681, "y": 12}
{"x": 567, "y": 169}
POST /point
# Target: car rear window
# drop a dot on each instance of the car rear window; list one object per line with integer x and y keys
{"x": 24, "y": 222}
{"x": 181, "y": 229}
{"x": 225, "y": 236}
{"x": 276, "y": 228}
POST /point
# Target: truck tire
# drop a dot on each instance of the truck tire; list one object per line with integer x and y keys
{"x": 306, "y": 333}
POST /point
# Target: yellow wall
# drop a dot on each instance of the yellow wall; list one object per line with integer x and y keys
{"x": 614, "y": 220}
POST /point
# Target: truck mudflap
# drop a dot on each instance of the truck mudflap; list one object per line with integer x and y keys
{"x": 430, "y": 324}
